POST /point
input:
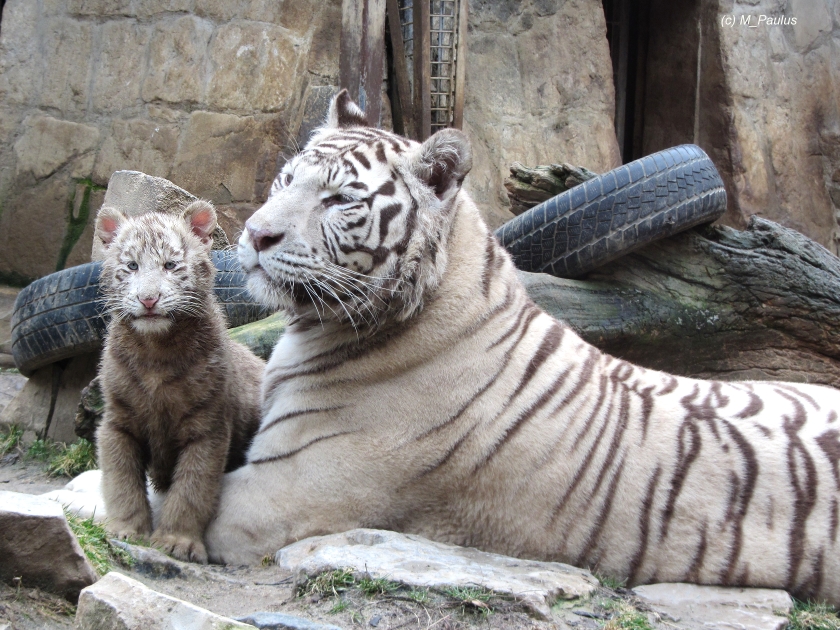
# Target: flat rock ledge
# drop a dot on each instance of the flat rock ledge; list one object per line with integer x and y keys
{"x": 416, "y": 561}
{"x": 118, "y": 602}
{"x": 37, "y": 546}
{"x": 696, "y": 607}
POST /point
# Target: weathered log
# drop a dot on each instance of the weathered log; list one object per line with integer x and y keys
{"x": 712, "y": 302}
{"x": 528, "y": 187}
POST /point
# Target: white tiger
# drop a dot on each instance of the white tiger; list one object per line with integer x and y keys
{"x": 419, "y": 389}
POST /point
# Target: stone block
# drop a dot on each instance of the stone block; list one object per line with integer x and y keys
{"x": 36, "y": 544}
{"x": 30, "y": 407}
{"x": 134, "y": 193}
{"x": 120, "y": 65}
{"x": 220, "y": 155}
{"x": 11, "y": 385}
{"x": 119, "y": 602}
{"x": 698, "y": 607}
{"x": 176, "y": 61}
{"x": 324, "y": 45}
{"x": 20, "y": 58}
{"x": 416, "y": 561}
{"x": 67, "y": 73}
{"x": 75, "y": 376}
{"x": 137, "y": 144}
{"x": 109, "y": 8}
{"x": 47, "y": 144}
{"x": 255, "y": 66}
{"x": 148, "y": 8}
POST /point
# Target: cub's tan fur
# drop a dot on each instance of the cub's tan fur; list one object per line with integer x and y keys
{"x": 181, "y": 398}
{"x": 434, "y": 397}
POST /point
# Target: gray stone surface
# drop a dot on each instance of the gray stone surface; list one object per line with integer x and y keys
{"x": 134, "y": 193}
{"x": 11, "y": 383}
{"x": 538, "y": 90}
{"x": 119, "y": 602}
{"x": 282, "y": 621}
{"x": 416, "y": 561}
{"x": 694, "y": 607}
{"x": 36, "y": 544}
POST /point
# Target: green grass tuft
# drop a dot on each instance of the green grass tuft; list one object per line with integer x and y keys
{"x": 64, "y": 460}
{"x": 73, "y": 459}
{"x": 376, "y": 586}
{"x": 10, "y": 440}
{"x": 623, "y": 616}
{"x": 340, "y": 606}
{"x": 470, "y": 599}
{"x": 813, "y": 616}
{"x": 610, "y": 582}
{"x": 329, "y": 583}
{"x": 419, "y": 595}
{"x": 42, "y": 450}
{"x": 95, "y": 543}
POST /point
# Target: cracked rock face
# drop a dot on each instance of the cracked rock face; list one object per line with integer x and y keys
{"x": 416, "y": 561}
{"x": 36, "y": 545}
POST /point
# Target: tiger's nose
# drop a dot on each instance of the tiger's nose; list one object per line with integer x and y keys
{"x": 149, "y": 303}
{"x": 262, "y": 239}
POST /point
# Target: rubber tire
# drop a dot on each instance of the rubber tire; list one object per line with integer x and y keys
{"x": 61, "y": 315}
{"x": 612, "y": 214}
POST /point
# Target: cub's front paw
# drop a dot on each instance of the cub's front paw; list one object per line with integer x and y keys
{"x": 126, "y": 530}
{"x": 181, "y": 547}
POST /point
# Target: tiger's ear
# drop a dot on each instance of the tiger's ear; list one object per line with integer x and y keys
{"x": 201, "y": 217}
{"x": 108, "y": 222}
{"x": 345, "y": 113}
{"x": 443, "y": 161}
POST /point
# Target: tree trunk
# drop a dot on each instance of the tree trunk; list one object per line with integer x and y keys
{"x": 712, "y": 302}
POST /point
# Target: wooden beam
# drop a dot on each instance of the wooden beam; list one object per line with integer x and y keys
{"x": 422, "y": 71}
{"x": 460, "y": 66}
{"x": 401, "y": 68}
{"x": 362, "y": 51}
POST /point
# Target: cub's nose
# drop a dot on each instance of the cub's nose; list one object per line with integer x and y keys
{"x": 262, "y": 238}
{"x": 149, "y": 303}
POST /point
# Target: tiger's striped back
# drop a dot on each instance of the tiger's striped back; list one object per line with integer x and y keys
{"x": 456, "y": 409}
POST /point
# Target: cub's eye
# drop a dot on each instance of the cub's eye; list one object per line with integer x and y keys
{"x": 132, "y": 265}
{"x": 169, "y": 265}
{"x": 338, "y": 200}
{"x": 285, "y": 179}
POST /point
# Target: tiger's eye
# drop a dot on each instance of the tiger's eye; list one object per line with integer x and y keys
{"x": 169, "y": 265}
{"x": 286, "y": 179}
{"x": 132, "y": 265}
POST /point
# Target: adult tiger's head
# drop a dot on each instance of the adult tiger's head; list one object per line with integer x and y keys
{"x": 356, "y": 224}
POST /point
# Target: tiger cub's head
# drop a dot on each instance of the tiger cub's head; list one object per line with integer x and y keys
{"x": 157, "y": 267}
{"x": 355, "y": 227}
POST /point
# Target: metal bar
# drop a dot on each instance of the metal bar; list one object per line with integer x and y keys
{"x": 422, "y": 76}
{"x": 401, "y": 67}
{"x": 460, "y": 66}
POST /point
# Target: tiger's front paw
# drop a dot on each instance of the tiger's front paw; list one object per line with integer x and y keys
{"x": 181, "y": 547}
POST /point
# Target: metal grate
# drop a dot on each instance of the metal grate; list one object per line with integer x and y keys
{"x": 443, "y": 31}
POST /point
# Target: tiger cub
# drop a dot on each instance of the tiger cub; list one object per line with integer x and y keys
{"x": 182, "y": 400}
{"x": 418, "y": 388}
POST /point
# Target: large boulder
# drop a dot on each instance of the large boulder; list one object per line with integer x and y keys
{"x": 37, "y": 546}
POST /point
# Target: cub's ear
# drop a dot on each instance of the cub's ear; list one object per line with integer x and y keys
{"x": 345, "y": 113}
{"x": 443, "y": 161}
{"x": 201, "y": 217}
{"x": 108, "y": 222}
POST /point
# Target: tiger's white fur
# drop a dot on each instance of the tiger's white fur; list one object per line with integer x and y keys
{"x": 419, "y": 389}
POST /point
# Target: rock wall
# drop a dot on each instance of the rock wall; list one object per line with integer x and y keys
{"x": 781, "y": 102}
{"x": 215, "y": 94}
{"x": 211, "y": 94}
{"x": 539, "y": 90}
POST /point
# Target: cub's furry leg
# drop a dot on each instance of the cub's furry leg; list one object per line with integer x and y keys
{"x": 192, "y": 498}
{"x": 123, "y": 482}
